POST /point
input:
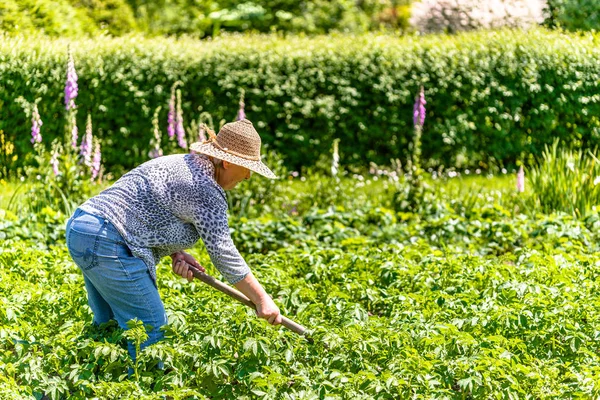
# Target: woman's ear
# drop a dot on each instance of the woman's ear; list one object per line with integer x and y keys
{"x": 226, "y": 164}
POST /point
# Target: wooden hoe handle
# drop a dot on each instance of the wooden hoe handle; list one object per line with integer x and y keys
{"x": 239, "y": 296}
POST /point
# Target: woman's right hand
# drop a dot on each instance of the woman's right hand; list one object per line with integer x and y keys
{"x": 267, "y": 309}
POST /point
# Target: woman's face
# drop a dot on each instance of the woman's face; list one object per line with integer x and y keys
{"x": 231, "y": 174}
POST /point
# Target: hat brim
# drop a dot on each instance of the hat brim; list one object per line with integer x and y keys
{"x": 254, "y": 166}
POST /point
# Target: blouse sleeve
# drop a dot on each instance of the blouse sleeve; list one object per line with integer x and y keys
{"x": 210, "y": 220}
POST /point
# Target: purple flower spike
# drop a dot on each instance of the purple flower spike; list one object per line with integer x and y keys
{"x": 155, "y": 153}
{"x": 54, "y": 162}
{"x": 179, "y": 123}
{"x": 241, "y": 114}
{"x": 419, "y": 109}
{"x": 96, "y": 161}
{"x": 71, "y": 89}
{"x": 181, "y": 133}
{"x": 36, "y": 124}
{"x": 201, "y": 134}
{"x": 86, "y": 143}
{"x": 171, "y": 126}
{"x": 74, "y": 132}
{"x": 173, "y": 110}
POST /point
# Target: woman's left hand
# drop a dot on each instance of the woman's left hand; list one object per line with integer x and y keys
{"x": 181, "y": 259}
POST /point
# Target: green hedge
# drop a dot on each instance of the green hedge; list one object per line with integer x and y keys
{"x": 574, "y": 15}
{"x": 492, "y": 98}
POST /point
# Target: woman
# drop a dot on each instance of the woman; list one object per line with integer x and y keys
{"x": 161, "y": 208}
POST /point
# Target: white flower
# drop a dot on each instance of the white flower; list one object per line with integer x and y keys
{"x": 335, "y": 164}
{"x": 461, "y": 15}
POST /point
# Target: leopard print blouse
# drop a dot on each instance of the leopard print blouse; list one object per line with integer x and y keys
{"x": 167, "y": 204}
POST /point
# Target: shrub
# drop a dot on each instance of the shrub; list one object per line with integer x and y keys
{"x": 53, "y": 18}
{"x": 574, "y": 15}
{"x": 494, "y": 98}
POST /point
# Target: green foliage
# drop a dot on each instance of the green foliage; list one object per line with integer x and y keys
{"x": 565, "y": 180}
{"x": 254, "y": 197}
{"x": 112, "y": 16}
{"x": 64, "y": 192}
{"x": 466, "y": 297}
{"x": 47, "y": 17}
{"x": 493, "y": 98}
{"x": 58, "y": 179}
{"x": 7, "y": 156}
{"x": 198, "y": 18}
{"x": 574, "y": 15}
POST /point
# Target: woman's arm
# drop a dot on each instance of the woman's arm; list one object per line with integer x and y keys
{"x": 265, "y": 306}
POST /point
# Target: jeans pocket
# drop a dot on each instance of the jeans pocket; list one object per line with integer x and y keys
{"x": 82, "y": 248}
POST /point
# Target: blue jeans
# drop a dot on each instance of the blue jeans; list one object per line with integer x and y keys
{"x": 118, "y": 284}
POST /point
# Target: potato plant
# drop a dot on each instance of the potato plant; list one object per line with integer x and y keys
{"x": 467, "y": 298}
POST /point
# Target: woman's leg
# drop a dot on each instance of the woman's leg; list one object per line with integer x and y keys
{"x": 101, "y": 309}
{"x": 117, "y": 282}
{"x": 78, "y": 246}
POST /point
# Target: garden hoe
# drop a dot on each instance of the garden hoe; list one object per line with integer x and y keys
{"x": 231, "y": 292}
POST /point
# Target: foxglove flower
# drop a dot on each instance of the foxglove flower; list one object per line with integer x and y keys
{"x": 521, "y": 180}
{"x": 155, "y": 151}
{"x": 172, "y": 115}
{"x": 179, "y": 123}
{"x": 96, "y": 160}
{"x": 419, "y": 109}
{"x": 335, "y": 164}
{"x": 54, "y": 161}
{"x": 241, "y": 114}
{"x": 86, "y": 143}
{"x": 201, "y": 134}
{"x": 71, "y": 88}
{"x": 74, "y": 131}
{"x": 36, "y": 124}
{"x": 171, "y": 126}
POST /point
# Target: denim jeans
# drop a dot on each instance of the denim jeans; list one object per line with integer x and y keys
{"x": 118, "y": 284}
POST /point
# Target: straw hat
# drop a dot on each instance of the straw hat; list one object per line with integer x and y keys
{"x": 238, "y": 143}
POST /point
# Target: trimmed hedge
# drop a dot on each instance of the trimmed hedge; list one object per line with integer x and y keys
{"x": 493, "y": 98}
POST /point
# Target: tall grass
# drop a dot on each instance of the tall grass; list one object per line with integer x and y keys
{"x": 565, "y": 180}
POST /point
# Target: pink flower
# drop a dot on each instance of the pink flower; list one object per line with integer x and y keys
{"x": 156, "y": 151}
{"x": 74, "y": 131}
{"x": 54, "y": 162}
{"x": 201, "y": 134}
{"x": 71, "y": 89}
{"x": 36, "y": 124}
{"x": 171, "y": 120}
{"x": 419, "y": 109}
{"x": 179, "y": 130}
{"x": 86, "y": 143}
{"x": 96, "y": 161}
{"x": 241, "y": 114}
{"x": 521, "y": 180}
